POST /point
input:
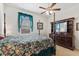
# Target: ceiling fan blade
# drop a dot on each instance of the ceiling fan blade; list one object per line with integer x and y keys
{"x": 57, "y": 9}
{"x": 43, "y": 12}
{"x": 42, "y": 7}
{"x": 53, "y": 4}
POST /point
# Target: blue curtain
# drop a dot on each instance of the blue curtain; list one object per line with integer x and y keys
{"x": 24, "y": 15}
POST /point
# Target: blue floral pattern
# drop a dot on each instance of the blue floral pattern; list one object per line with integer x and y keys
{"x": 23, "y": 49}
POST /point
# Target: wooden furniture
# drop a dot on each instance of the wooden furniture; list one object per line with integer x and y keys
{"x": 4, "y": 24}
{"x": 65, "y": 39}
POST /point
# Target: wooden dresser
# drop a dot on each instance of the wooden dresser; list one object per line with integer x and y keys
{"x": 64, "y": 39}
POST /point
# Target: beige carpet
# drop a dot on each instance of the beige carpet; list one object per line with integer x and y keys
{"x": 60, "y": 51}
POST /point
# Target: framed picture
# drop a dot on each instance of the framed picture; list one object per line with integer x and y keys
{"x": 25, "y": 23}
{"x": 39, "y": 25}
{"x": 77, "y": 26}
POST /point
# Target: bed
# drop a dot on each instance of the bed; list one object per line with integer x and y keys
{"x": 27, "y": 45}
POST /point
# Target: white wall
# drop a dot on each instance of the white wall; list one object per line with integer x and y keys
{"x": 71, "y": 12}
{"x": 12, "y": 20}
{"x": 1, "y": 18}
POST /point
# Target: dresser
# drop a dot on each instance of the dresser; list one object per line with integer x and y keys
{"x": 64, "y": 39}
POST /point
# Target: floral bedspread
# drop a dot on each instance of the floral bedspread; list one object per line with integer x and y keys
{"x": 24, "y": 49}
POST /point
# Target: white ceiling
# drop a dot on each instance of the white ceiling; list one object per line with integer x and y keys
{"x": 34, "y": 7}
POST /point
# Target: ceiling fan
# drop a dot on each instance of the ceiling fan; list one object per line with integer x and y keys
{"x": 50, "y": 9}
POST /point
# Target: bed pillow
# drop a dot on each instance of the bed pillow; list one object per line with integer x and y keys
{"x": 1, "y": 37}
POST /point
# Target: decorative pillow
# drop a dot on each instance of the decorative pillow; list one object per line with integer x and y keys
{"x": 1, "y": 37}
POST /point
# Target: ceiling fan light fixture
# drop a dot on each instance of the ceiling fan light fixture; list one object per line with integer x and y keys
{"x": 47, "y": 12}
{"x": 51, "y": 12}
